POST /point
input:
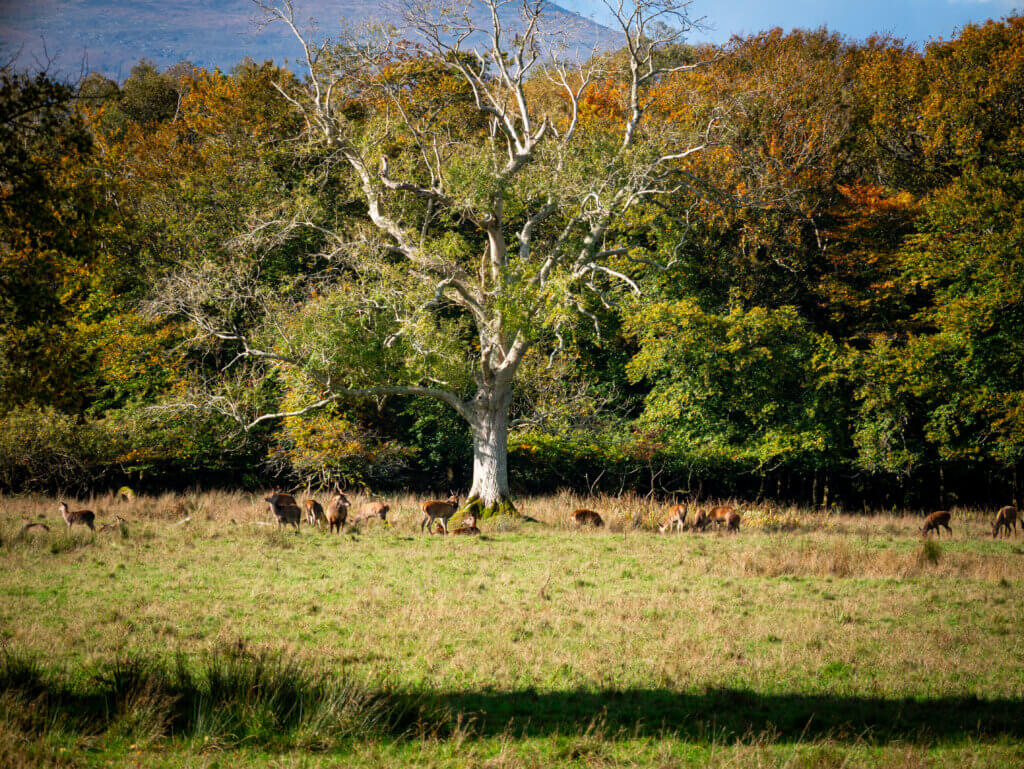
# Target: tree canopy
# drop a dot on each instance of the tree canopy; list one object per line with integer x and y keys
{"x": 785, "y": 264}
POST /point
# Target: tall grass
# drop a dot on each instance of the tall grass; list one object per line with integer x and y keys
{"x": 231, "y": 698}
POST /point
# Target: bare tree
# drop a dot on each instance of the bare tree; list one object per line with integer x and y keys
{"x": 485, "y": 236}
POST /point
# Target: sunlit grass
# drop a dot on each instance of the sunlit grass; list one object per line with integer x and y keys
{"x": 805, "y": 638}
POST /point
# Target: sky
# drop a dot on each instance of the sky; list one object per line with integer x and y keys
{"x": 914, "y": 20}
{"x": 75, "y": 36}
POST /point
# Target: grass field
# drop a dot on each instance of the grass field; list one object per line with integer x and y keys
{"x": 808, "y": 639}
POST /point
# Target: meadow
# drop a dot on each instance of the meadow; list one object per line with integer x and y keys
{"x": 807, "y": 639}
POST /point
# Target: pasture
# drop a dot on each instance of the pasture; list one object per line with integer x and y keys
{"x": 807, "y": 639}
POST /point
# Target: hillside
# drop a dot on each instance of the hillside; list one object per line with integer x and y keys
{"x": 111, "y": 35}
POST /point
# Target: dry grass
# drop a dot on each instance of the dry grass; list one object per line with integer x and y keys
{"x": 801, "y": 617}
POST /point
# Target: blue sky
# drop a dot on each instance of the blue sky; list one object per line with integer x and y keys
{"x": 914, "y": 20}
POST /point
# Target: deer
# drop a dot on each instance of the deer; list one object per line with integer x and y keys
{"x": 1006, "y": 518}
{"x": 674, "y": 519}
{"x": 732, "y": 522}
{"x": 117, "y": 523}
{"x": 934, "y": 521}
{"x": 583, "y": 517}
{"x": 700, "y": 520}
{"x": 285, "y": 509}
{"x": 724, "y": 514}
{"x": 468, "y": 527}
{"x": 337, "y": 511}
{"x": 314, "y": 512}
{"x": 439, "y": 510}
{"x": 71, "y": 517}
{"x": 369, "y": 510}
{"x": 718, "y": 515}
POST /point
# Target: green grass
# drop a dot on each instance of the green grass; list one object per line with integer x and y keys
{"x": 843, "y": 642}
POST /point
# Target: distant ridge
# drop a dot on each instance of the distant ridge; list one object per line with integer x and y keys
{"x": 112, "y": 35}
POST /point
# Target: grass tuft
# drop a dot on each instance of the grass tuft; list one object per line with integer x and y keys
{"x": 929, "y": 553}
{"x": 227, "y": 699}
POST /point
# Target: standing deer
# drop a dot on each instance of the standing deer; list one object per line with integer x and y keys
{"x": 337, "y": 511}
{"x": 285, "y": 509}
{"x": 583, "y": 517}
{"x": 71, "y": 517}
{"x": 369, "y": 510}
{"x": 314, "y": 512}
{"x": 439, "y": 510}
{"x": 674, "y": 519}
{"x": 1006, "y": 518}
{"x": 934, "y": 521}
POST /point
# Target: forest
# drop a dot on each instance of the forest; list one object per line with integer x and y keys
{"x": 825, "y": 305}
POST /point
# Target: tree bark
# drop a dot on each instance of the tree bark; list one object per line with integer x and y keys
{"x": 489, "y": 494}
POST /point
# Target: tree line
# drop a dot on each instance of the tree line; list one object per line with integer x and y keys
{"x": 823, "y": 304}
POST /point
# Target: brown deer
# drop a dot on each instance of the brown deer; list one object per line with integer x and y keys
{"x": 583, "y": 517}
{"x": 71, "y": 517}
{"x": 117, "y": 523}
{"x": 314, "y": 512}
{"x": 337, "y": 511}
{"x": 285, "y": 509}
{"x": 370, "y": 510}
{"x": 700, "y": 520}
{"x": 438, "y": 510}
{"x": 468, "y": 526}
{"x": 674, "y": 519}
{"x": 30, "y": 527}
{"x": 1006, "y": 518}
{"x": 934, "y": 521}
{"x": 717, "y": 515}
{"x": 732, "y": 522}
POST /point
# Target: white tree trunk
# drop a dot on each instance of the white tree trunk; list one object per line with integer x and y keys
{"x": 490, "y": 494}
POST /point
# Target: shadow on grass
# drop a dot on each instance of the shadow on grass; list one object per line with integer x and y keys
{"x": 239, "y": 697}
{"x": 728, "y": 714}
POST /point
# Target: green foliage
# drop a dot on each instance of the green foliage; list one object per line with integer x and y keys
{"x": 759, "y": 384}
{"x": 148, "y": 96}
{"x": 864, "y": 318}
{"x": 42, "y": 448}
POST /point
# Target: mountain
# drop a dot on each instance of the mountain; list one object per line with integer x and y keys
{"x": 78, "y": 36}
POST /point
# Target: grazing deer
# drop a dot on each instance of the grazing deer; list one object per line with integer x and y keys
{"x": 71, "y": 517}
{"x": 720, "y": 514}
{"x": 285, "y": 509}
{"x": 370, "y": 510}
{"x": 337, "y": 511}
{"x": 700, "y": 520}
{"x": 314, "y": 512}
{"x": 717, "y": 515}
{"x": 732, "y": 522}
{"x": 468, "y": 526}
{"x": 439, "y": 529}
{"x": 1006, "y": 518}
{"x": 674, "y": 519}
{"x": 438, "y": 510}
{"x": 584, "y": 517}
{"x": 934, "y": 521}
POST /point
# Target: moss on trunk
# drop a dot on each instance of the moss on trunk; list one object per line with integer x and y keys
{"x": 475, "y": 505}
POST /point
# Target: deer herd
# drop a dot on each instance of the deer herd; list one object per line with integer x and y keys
{"x": 437, "y": 513}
